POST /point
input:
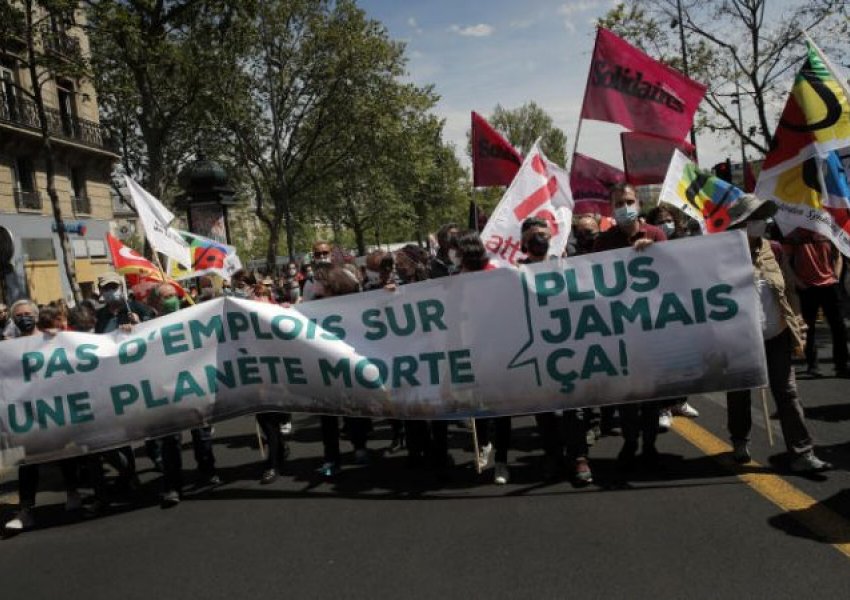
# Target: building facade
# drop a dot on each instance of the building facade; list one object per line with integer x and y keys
{"x": 83, "y": 161}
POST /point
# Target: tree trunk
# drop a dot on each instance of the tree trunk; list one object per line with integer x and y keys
{"x": 50, "y": 164}
{"x": 290, "y": 228}
{"x": 359, "y": 237}
{"x": 271, "y": 248}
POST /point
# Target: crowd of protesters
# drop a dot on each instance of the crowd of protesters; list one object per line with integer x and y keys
{"x": 795, "y": 276}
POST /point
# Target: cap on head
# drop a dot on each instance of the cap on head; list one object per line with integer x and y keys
{"x": 750, "y": 207}
{"x": 108, "y": 278}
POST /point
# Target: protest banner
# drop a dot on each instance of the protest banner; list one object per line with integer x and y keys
{"x": 803, "y": 172}
{"x": 590, "y": 183}
{"x": 633, "y": 89}
{"x": 621, "y": 326}
{"x": 494, "y": 160}
{"x": 540, "y": 189}
{"x": 646, "y": 156}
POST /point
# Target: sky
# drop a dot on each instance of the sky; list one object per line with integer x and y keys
{"x": 479, "y": 53}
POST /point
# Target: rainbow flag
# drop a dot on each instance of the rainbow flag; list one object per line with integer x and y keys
{"x": 803, "y": 172}
{"x": 700, "y": 195}
{"x": 208, "y": 258}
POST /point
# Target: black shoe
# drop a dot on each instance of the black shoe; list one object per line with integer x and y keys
{"x": 628, "y": 456}
{"x": 269, "y": 476}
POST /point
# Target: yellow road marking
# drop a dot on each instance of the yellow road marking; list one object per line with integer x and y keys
{"x": 817, "y": 518}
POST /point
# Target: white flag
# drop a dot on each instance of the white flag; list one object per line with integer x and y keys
{"x": 155, "y": 220}
{"x": 540, "y": 189}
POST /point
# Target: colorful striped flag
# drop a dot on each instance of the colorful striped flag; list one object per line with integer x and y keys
{"x": 208, "y": 258}
{"x": 700, "y": 195}
{"x": 803, "y": 172}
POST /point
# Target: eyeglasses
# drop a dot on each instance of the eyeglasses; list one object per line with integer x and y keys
{"x": 326, "y": 253}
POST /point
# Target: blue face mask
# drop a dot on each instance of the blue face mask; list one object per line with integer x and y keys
{"x": 668, "y": 229}
{"x": 626, "y": 214}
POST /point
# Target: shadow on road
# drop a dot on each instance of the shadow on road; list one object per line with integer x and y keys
{"x": 824, "y": 522}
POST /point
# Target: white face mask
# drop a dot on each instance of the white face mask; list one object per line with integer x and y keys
{"x": 454, "y": 257}
{"x": 668, "y": 229}
{"x": 756, "y": 229}
{"x": 626, "y": 214}
{"x": 373, "y": 276}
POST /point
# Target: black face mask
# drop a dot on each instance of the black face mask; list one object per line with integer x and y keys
{"x": 538, "y": 245}
{"x": 25, "y": 324}
{"x": 3, "y": 322}
{"x": 585, "y": 239}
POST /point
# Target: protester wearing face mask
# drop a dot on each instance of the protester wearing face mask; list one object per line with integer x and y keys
{"x": 536, "y": 236}
{"x": 447, "y": 260}
{"x": 24, "y": 316}
{"x": 4, "y": 320}
{"x": 321, "y": 256}
{"x": 291, "y": 289}
{"x": 118, "y": 311}
{"x": 638, "y": 420}
{"x": 167, "y": 302}
{"x": 584, "y": 234}
{"x": 784, "y": 333}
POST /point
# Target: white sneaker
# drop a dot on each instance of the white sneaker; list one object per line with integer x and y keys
{"x": 484, "y": 453}
{"x": 286, "y": 428}
{"x": 665, "y": 420}
{"x": 685, "y": 410}
{"x": 73, "y": 502}
{"x": 22, "y": 520}
{"x": 502, "y": 475}
{"x": 809, "y": 463}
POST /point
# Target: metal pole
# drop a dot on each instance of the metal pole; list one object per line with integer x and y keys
{"x": 685, "y": 60}
{"x": 741, "y": 129}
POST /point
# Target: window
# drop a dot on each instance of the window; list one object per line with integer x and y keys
{"x": 38, "y": 248}
{"x": 97, "y": 249}
{"x": 79, "y": 195}
{"x": 67, "y": 110}
{"x": 8, "y": 93}
{"x": 26, "y": 196}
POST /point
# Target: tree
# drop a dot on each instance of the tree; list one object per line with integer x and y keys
{"x": 309, "y": 80}
{"x": 522, "y": 126}
{"x": 155, "y": 64}
{"x": 747, "y": 43}
{"x": 35, "y": 34}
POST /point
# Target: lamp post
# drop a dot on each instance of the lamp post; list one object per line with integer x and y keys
{"x": 207, "y": 195}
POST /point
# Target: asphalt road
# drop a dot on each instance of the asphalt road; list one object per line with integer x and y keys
{"x": 696, "y": 528}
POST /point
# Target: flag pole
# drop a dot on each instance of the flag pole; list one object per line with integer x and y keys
{"x": 584, "y": 99}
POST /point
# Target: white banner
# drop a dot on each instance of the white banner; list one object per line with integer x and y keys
{"x": 155, "y": 220}
{"x": 679, "y": 318}
{"x": 540, "y": 189}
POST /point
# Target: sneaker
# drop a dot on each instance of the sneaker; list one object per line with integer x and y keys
{"x": 741, "y": 452}
{"x": 74, "y": 502}
{"x": 22, "y": 520}
{"x": 170, "y": 498}
{"x": 582, "y": 474}
{"x": 286, "y": 428}
{"x": 213, "y": 479}
{"x": 361, "y": 456}
{"x": 484, "y": 456}
{"x": 397, "y": 443}
{"x": 665, "y": 420}
{"x": 329, "y": 469}
{"x": 809, "y": 463}
{"x": 269, "y": 476}
{"x": 502, "y": 475}
{"x": 685, "y": 410}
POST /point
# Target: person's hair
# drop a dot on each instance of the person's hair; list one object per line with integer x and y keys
{"x": 595, "y": 217}
{"x": 533, "y": 222}
{"x": 655, "y": 215}
{"x": 619, "y": 188}
{"x": 415, "y": 257}
{"x": 336, "y": 280}
{"x": 24, "y": 302}
{"x": 260, "y": 290}
{"x": 81, "y": 318}
{"x": 47, "y": 316}
{"x": 443, "y": 234}
{"x": 473, "y": 256}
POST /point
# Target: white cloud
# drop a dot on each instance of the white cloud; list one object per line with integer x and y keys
{"x": 413, "y": 24}
{"x": 480, "y": 30}
{"x": 574, "y": 7}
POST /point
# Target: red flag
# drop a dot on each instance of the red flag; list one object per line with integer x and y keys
{"x": 126, "y": 260}
{"x": 749, "y": 179}
{"x": 647, "y": 157}
{"x": 628, "y": 87}
{"x": 590, "y": 182}
{"x": 494, "y": 160}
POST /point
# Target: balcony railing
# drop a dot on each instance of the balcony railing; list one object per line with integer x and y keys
{"x": 63, "y": 44}
{"x": 22, "y": 112}
{"x": 27, "y": 200}
{"x": 82, "y": 205}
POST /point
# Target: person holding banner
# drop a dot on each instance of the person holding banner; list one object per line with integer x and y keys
{"x": 638, "y": 420}
{"x": 535, "y": 239}
{"x": 784, "y": 333}
{"x": 25, "y": 314}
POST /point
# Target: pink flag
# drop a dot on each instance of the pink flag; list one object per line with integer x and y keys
{"x": 590, "y": 182}
{"x": 494, "y": 160}
{"x": 628, "y": 87}
{"x": 647, "y": 157}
